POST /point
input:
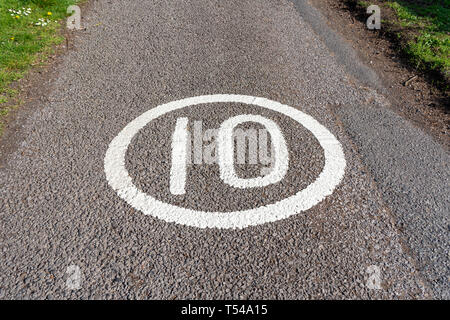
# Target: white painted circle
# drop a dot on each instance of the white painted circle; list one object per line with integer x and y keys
{"x": 323, "y": 186}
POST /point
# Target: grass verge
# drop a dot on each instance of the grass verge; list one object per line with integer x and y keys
{"x": 29, "y": 31}
{"x": 422, "y": 28}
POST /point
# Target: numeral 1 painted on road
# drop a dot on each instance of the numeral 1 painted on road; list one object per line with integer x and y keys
{"x": 179, "y": 160}
{"x": 225, "y": 148}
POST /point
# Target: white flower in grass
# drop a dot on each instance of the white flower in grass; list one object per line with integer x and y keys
{"x": 23, "y": 12}
{"x": 42, "y": 22}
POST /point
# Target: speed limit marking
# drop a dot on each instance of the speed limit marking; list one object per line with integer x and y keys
{"x": 331, "y": 175}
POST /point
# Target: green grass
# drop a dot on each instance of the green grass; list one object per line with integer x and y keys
{"x": 429, "y": 21}
{"x": 364, "y": 4}
{"x": 23, "y": 43}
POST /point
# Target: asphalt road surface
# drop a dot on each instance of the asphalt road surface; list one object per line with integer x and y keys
{"x": 100, "y": 199}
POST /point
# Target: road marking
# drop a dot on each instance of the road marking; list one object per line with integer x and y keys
{"x": 179, "y": 154}
{"x": 226, "y": 153}
{"x": 119, "y": 179}
{"x": 225, "y": 145}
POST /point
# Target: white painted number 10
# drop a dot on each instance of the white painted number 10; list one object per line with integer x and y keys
{"x": 225, "y": 149}
{"x": 324, "y": 185}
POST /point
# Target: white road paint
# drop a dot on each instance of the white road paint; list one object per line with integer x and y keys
{"x": 331, "y": 175}
{"x": 226, "y": 153}
{"x": 179, "y": 154}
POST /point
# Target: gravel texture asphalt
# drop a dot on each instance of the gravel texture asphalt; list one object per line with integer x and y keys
{"x": 57, "y": 209}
